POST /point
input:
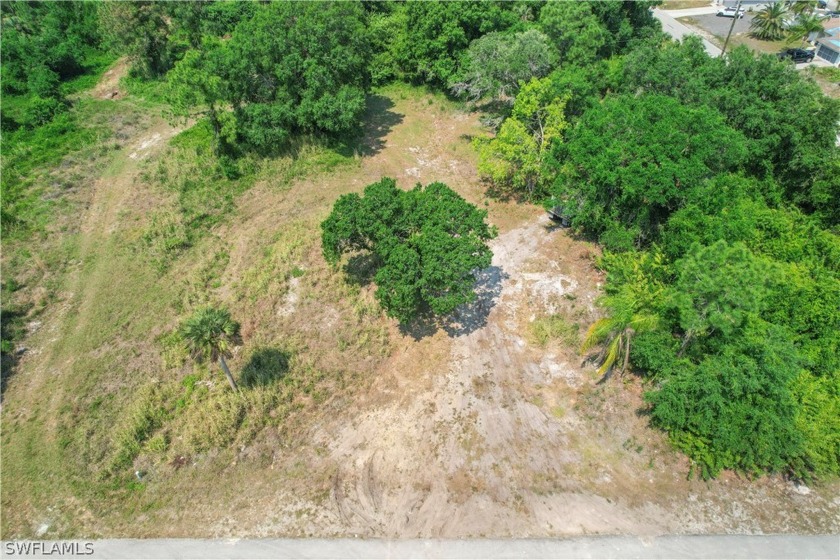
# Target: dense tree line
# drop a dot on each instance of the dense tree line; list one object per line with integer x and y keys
{"x": 714, "y": 186}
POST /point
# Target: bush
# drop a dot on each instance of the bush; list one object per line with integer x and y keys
{"x": 42, "y": 110}
{"x": 429, "y": 243}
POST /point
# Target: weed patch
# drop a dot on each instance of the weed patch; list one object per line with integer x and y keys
{"x": 280, "y": 262}
{"x": 554, "y": 327}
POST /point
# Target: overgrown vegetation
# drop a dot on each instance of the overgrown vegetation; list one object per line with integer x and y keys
{"x": 718, "y": 203}
{"x": 711, "y": 183}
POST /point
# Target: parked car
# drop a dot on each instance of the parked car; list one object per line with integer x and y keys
{"x": 797, "y": 55}
{"x": 731, "y": 12}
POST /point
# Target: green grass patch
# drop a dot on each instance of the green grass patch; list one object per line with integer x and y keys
{"x": 28, "y": 156}
{"x": 151, "y": 409}
{"x": 554, "y": 327}
{"x": 280, "y": 260}
{"x": 95, "y": 64}
{"x": 204, "y": 195}
{"x": 830, "y": 74}
{"x": 151, "y": 92}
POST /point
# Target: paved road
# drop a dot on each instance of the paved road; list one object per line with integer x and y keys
{"x": 678, "y": 30}
{"x": 719, "y": 26}
{"x": 710, "y": 546}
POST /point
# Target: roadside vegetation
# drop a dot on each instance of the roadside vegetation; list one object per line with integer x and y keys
{"x": 711, "y": 185}
{"x": 718, "y": 214}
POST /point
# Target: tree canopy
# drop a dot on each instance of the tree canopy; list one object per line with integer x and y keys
{"x": 291, "y": 68}
{"x": 518, "y": 156}
{"x": 631, "y": 161}
{"x": 497, "y": 64}
{"x": 428, "y": 244}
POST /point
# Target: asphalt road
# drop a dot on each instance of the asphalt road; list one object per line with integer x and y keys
{"x": 769, "y": 547}
{"x": 719, "y": 26}
{"x": 679, "y": 30}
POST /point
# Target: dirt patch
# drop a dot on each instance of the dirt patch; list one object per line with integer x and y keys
{"x": 109, "y": 85}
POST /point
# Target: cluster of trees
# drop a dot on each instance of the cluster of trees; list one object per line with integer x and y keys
{"x": 795, "y": 20}
{"x": 45, "y": 44}
{"x": 262, "y": 73}
{"x": 715, "y": 197}
{"x": 290, "y": 68}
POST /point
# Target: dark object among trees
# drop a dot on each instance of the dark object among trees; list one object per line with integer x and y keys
{"x": 558, "y": 214}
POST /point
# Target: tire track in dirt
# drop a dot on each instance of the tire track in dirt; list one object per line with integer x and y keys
{"x": 458, "y": 459}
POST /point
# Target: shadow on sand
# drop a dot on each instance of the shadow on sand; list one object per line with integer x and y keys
{"x": 467, "y": 318}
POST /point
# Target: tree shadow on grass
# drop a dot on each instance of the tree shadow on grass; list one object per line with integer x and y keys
{"x": 266, "y": 366}
{"x": 379, "y": 120}
{"x": 467, "y": 318}
{"x": 11, "y": 331}
{"x": 506, "y": 193}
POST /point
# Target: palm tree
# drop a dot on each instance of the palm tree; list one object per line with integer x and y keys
{"x": 800, "y": 7}
{"x": 769, "y": 23}
{"x": 804, "y": 26}
{"x": 627, "y": 319}
{"x": 209, "y": 334}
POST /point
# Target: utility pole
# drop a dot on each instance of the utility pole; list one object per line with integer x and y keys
{"x": 731, "y": 27}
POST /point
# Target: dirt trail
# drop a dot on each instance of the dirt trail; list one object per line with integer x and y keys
{"x": 111, "y": 196}
{"x": 472, "y": 442}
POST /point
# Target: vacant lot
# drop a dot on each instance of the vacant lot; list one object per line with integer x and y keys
{"x": 485, "y": 426}
{"x": 716, "y": 28}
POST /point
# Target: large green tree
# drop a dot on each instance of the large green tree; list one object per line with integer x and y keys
{"x": 298, "y": 66}
{"x": 791, "y": 144}
{"x": 199, "y": 88}
{"x": 632, "y": 161}
{"x": 427, "y": 243}
{"x": 437, "y": 32}
{"x": 577, "y": 32}
{"x": 717, "y": 288}
{"x": 45, "y": 43}
{"x": 291, "y": 68}
{"x": 734, "y": 408}
{"x": 142, "y": 31}
{"x": 497, "y": 64}
{"x": 518, "y": 157}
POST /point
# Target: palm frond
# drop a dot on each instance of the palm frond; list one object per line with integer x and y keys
{"x": 597, "y": 333}
{"x": 612, "y": 355}
{"x": 209, "y": 333}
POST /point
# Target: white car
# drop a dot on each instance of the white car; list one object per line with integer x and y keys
{"x": 731, "y": 12}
